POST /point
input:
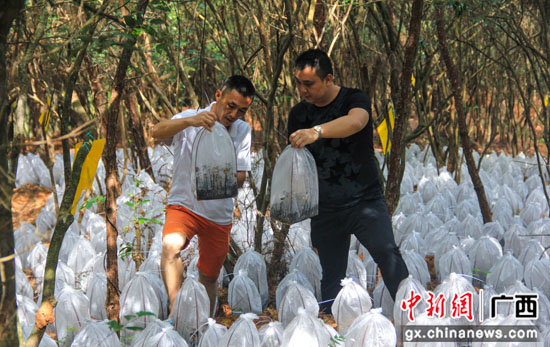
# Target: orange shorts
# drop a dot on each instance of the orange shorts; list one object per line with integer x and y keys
{"x": 213, "y": 238}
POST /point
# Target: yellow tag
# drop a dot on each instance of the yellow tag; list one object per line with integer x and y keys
{"x": 546, "y": 101}
{"x": 383, "y": 132}
{"x": 89, "y": 169}
{"x": 45, "y": 116}
{"x": 413, "y": 80}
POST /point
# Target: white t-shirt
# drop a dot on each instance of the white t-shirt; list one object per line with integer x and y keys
{"x": 218, "y": 211}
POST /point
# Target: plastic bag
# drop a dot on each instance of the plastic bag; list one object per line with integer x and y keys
{"x": 154, "y": 327}
{"x": 308, "y": 263}
{"x": 191, "y": 309}
{"x": 96, "y": 333}
{"x": 295, "y": 298}
{"x": 506, "y": 271}
{"x": 352, "y": 301}
{"x": 166, "y": 337}
{"x": 413, "y": 241}
{"x": 97, "y": 293}
{"x": 296, "y": 276}
{"x": 254, "y": 264}
{"x": 294, "y": 187}
{"x": 214, "y": 174}
{"x": 22, "y": 284}
{"x": 371, "y": 329}
{"x": 271, "y": 334}
{"x": 482, "y": 255}
{"x": 514, "y": 239}
{"x": 242, "y": 333}
{"x": 305, "y": 330}
{"x": 533, "y": 250}
{"x": 536, "y": 275}
{"x": 454, "y": 260}
{"x": 356, "y": 269}
{"x": 417, "y": 266}
{"x": 26, "y": 313}
{"x": 138, "y": 296}
{"x": 383, "y": 299}
{"x": 213, "y": 334}
{"x": 456, "y": 284}
{"x": 372, "y": 269}
{"x": 71, "y": 312}
{"x": 407, "y": 287}
{"x": 64, "y": 276}
{"x": 243, "y": 295}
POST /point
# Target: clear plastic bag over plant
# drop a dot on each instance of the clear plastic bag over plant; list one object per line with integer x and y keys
{"x": 214, "y": 174}
{"x": 305, "y": 330}
{"x": 382, "y": 299}
{"x": 457, "y": 285}
{"x": 137, "y": 297}
{"x": 254, "y": 264}
{"x": 356, "y": 269}
{"x": 417, "y": 266}
{"x": 371, "y": 329}
{"x": 271, "y": 334}
{"x": 352, "y": 301}
{"x": 154, "y": 327}
{"x": 243, "y": 333}
{"x": 296, "y": 276}
{"x": 97, "y": 293}
{"x": 536, "y": 275}
{"x": 454, "y": 260}
{"x": 308, "y": 263}
{"x": 505, "y": 272}
{"x": 96, "y": 333}
{"x": 407, "y": 287}
{"x": 71, "y": 312}
{"x": 294, "y": 187}
{"x": 295, "y": 298}
{"x": 191, "y": 309}
{"x": 166, "y": 337}
{"x": 243, "y": 295}
{"x": 213, "y": 334}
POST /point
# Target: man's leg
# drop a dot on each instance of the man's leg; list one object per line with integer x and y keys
{"x": 332, "y": 244}
{"x": 371, "y": 224}
{"x": 213, "y": 248}
{"x": 211, "y": 285}
{"x": 171, "y": 264}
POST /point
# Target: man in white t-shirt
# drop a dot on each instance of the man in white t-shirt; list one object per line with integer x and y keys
{"x": 186, "y": 216}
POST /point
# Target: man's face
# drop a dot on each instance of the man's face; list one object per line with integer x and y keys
{"x": 311, "y": 87}
{"x": 231, "y": 106}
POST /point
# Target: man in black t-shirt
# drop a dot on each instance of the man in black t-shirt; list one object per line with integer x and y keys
{"x": 334, "y": 123}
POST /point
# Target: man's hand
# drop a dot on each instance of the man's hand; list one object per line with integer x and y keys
{"x": 303, "y": 137}
{"x": 204, "y": 119}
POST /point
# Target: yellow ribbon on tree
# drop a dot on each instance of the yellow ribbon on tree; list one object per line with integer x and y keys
{"x": 546, "y": 101}
{"x": 383, "y": 131}
{"x": 89, "y": 169}
{"x": 45, "y": 116}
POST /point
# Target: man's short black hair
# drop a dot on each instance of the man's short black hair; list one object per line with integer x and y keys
{"x": 316, "y": 59}
{"x": 241, "y": 84}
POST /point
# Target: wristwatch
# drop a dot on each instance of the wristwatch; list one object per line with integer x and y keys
{"x": 319, "y": 131}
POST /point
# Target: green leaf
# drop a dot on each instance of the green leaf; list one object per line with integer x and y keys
{"x": 129, "y": 203}
{"x": 144, "y": 313}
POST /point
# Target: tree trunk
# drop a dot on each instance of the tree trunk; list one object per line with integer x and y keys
{"x": 452, "y": 74}
{"x": 136, "y": 128}
{"x": 112, "y": 184}
{"x": 397, "y": 153}
{"x": 45, "y": 314}
{"x": 8, "y": 309}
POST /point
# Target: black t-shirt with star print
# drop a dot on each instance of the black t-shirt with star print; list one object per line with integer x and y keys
{"x": 346, "y": 167}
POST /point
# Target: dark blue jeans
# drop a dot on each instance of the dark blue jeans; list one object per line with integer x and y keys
{"x": 370, "y": 222}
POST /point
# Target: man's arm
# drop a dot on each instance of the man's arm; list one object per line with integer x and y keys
{"x": 356, "y": 119}
{"x": 241, "y": 177}
{"x": 165, "y": 129}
